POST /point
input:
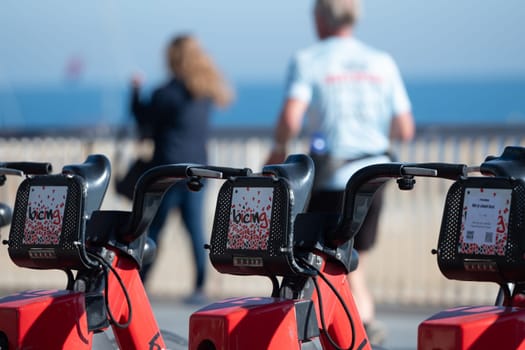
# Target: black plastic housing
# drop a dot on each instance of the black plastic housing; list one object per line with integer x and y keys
{"x": 500, "y": 257}
{"x": 47, "y": 231}
{"x": 253, "y": 228}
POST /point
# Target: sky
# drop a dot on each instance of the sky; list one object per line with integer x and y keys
{"x": 107, "y": 41}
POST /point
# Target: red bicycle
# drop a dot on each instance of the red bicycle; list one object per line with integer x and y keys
{"x": 58, "y": 224}
{"x": 260, "y": 228}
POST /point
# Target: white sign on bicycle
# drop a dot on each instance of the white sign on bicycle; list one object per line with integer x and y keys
{"x": 250, "y": 218}
{"x": 485, "y": 220}
{"x": 45, "y": 212}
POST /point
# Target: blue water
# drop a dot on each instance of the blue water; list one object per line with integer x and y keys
{"x": 257, "y": 105}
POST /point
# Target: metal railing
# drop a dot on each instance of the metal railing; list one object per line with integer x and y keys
{"x": 401, "y": 267}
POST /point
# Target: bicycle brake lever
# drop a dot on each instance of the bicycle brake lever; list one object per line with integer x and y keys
{"x": 216, "y": 172}
{"x": 416, "y": 171}
{"x": 208, "y": 173}
{"x": 10, "y": 171}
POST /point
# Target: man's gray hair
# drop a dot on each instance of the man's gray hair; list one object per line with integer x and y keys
{"x": 338, "y": 13}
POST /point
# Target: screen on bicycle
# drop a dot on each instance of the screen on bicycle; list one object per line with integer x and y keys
{"x": 485, "y": 221}
{"x": 45, "y": 213}
{"x": 250, "y": 218}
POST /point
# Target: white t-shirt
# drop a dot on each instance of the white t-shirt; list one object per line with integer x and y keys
{"x": 353, "y": 91}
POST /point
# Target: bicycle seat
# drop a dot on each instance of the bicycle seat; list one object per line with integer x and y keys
{"x": 510, "y": 163}
{"x": 253, "y": 229}
{"x": 299, "y": 171}
{"x": 96, "y": 173}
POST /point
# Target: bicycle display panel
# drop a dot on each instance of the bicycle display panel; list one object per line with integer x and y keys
{"x": 250, "y": 218}
{"x": 45, "y": 213}
{"x": 485, "y": 221}
{"x": 252, "y": 233}
{"x": 47, "y": 231}
{"x": 482, "y": 236}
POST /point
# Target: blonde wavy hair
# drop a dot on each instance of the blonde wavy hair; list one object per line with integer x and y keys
{"x": 191, "y": 64}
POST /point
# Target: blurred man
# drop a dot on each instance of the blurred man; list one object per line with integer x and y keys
{"x": 356, "y": 103}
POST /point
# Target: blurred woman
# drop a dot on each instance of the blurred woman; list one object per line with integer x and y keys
{"x": 177, "y": 119}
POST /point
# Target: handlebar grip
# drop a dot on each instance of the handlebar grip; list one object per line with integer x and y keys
{"x": 33, "y": 168}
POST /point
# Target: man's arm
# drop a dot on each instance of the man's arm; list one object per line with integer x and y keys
{"x": 402, "y": 127}
{"x": 288, "y": 126}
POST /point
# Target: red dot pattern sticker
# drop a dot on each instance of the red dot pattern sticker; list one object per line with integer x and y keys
{"x": 45, "y": 213}
{"x": 250, "y": 218}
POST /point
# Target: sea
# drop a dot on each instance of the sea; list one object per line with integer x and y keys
{"x": 434, "y": 101}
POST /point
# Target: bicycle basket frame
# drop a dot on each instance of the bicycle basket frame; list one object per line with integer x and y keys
{"x": 48, "y": 225}
{"x": 481, "y": 236}
{"x": 252, "y": 230}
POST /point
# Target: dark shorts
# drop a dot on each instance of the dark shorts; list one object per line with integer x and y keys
{"x": 331, "y": 201}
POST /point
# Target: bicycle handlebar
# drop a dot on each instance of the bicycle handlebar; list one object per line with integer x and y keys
{"x": 31, "y": 168}
{"x": 154, "y": 183}
{"x": 18, "y": 169}
{"x": 363, "y": 185}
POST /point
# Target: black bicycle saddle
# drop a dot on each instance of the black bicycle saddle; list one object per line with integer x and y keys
{"x": 96, "y": 172}
{"x": 299, "y": 170}
{"x": 511, "y": 163}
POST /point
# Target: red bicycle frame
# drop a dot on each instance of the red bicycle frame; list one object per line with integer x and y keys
{"x": 143, "y": 331}
{"x": 275, "y": 323}
{"x": 58, "y": 319}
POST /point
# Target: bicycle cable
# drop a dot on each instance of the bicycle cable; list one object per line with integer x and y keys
{"x": 70, "y": 279}
{"x": 321, "y": 308}
{"x": 108, "y": 266}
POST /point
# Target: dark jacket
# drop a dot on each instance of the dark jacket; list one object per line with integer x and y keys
{"x": 178, "y": 123}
